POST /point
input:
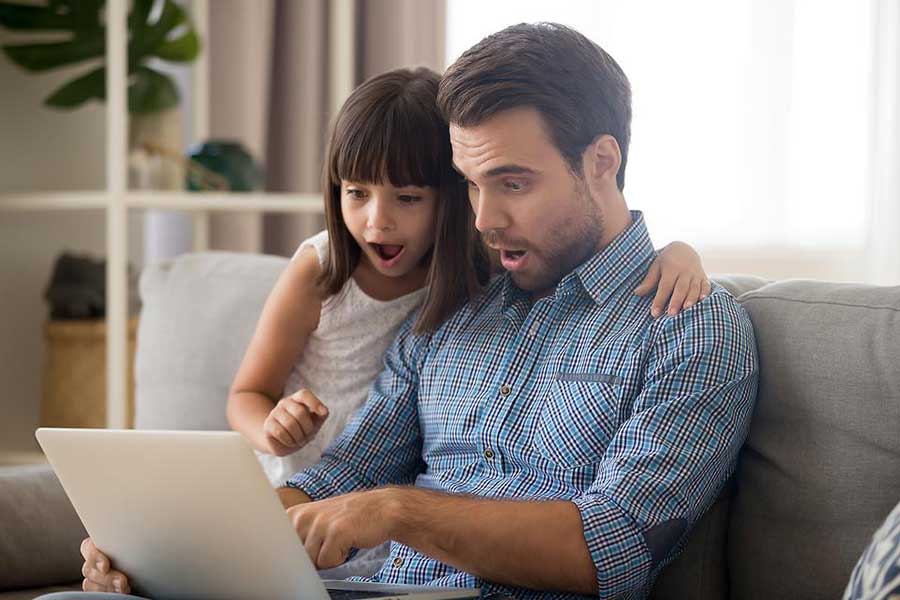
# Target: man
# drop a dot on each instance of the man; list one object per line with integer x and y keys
{"x": 551, "y": 439}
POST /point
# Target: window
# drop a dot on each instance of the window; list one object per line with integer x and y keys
{"x": 752, "y": 118}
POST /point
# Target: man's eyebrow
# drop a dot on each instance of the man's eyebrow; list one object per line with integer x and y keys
{"x": 503, "y": 170}
{"x": 510, "y": 170}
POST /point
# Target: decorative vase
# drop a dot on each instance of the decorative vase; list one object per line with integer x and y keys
{"x": 166, "y": 233}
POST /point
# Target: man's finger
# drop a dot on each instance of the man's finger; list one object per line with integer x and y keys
{"x": 311, "y": 402}
{"x": 705, "y": 289}
{"x": 331, "y": 554}
{"x": 312, "y": 543}
{"x": 649, "y": 281}
{"x": 93, "y": 556}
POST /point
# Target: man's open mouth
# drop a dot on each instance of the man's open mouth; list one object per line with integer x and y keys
{"x": 513, "y": 260}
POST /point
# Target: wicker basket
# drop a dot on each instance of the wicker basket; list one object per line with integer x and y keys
{"x": 75, "y": 374}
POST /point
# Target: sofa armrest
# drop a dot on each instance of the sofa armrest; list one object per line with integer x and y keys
{"x": 41, "y": 533}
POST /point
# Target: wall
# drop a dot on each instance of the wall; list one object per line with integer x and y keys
{"x": 41, "y": 149}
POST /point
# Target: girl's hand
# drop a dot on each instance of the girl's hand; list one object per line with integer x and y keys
{"x": 678, "y": 276}
{"x": 294, "y": 421}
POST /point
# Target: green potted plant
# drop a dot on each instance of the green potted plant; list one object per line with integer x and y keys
{"x": 157, "y": 29}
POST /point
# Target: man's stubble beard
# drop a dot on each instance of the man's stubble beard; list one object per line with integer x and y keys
{"x": 573, "y": 240}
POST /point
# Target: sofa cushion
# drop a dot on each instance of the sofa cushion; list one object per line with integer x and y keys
{"x": 41, "y": 534}
{"x": 821, "y": 466}
{"x": 200, "y": 311}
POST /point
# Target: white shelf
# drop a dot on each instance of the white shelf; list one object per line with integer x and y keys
{"x": 28, "y": 201}
{"x": 227, "y": 201}
{"x": 116, "y": 200}
{"x": 183, "y": 201}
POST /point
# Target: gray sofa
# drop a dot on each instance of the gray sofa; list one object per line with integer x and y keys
{"x": 819, "y": 472}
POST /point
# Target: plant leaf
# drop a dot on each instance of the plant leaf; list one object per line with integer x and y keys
{"x": 150, "y": 91}
{"x": 78, "y": 91}
{"x": 42, "y": 57}
{"x": 154, "y": 34}
{"x": 184, "y": 48}
{"x": 24, "y": 17}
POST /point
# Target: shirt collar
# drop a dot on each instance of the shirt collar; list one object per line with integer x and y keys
{"x": 601, "y": 275}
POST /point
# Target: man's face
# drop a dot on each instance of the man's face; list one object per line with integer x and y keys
{"x": 528, "y": 204}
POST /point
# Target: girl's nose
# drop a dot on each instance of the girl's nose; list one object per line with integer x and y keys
{"x": 380, "y": 218}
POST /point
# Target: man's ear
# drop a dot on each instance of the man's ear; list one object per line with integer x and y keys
{"x": 600, "y": 163}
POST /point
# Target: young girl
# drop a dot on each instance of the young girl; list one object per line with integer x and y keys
{"x": 400, "y": 235}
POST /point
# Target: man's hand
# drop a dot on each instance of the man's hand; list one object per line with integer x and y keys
{"x": 99, "y": 575}
{"x": 330, "y": 528}
{"x": 294, "y": 421}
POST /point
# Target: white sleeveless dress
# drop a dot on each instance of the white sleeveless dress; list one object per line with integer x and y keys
{"x": 341, "y": 359}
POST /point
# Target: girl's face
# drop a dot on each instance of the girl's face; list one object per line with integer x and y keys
{"x": 394, "y": 226}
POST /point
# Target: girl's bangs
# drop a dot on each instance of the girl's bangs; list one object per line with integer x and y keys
{"x": 399, "y": 144}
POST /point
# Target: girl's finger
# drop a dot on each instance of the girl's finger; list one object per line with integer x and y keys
{"x": 301, "y": 415}
{"x": 274, "y": 429}
{"x": 693, "y": 295}
{"x": 663, "y": 292}
{"x": 285, "y": 419}
{"x": 310, "y": 400}
{"x": 676, "y": 302}
{"x": 649, "y": 281}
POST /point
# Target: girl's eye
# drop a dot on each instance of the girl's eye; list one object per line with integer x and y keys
{"x": 409, "y": 199}
{"x": 354, "y": 193}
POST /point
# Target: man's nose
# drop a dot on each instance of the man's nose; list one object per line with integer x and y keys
{"x": 490, "y": 214}
{"x": 380, "y": 217}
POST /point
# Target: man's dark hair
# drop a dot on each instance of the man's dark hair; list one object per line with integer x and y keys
{"x": 576, "y": 87}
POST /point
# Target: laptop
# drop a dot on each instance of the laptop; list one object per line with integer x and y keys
{"x": 190, "y": 514}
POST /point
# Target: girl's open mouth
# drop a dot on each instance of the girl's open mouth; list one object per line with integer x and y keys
{"x": 388, "y": 253}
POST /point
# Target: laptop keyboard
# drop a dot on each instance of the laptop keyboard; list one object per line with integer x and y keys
{"x": 359, "y": 594}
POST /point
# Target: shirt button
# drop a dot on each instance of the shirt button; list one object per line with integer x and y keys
{"x": 505, "y": 390}
{"x": 398, "y": 562}
{"x": 489, "y": 454}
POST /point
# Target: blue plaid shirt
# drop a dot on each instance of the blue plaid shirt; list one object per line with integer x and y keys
{"x": 580, "y": 396}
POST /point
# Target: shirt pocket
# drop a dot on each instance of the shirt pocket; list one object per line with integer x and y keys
{"x": 578, "y": 419}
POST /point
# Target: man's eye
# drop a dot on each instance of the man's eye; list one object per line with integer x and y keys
{"x": 515, "y": 186}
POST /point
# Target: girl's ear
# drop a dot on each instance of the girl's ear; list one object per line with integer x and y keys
{"x": 600, "y": 162}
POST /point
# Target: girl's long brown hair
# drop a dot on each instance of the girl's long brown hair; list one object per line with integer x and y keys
{"x": 390, "y": 130}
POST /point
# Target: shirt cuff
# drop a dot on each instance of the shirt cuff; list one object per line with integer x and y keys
{"x": 617, "y": 547}
{"x": 329, "y": 477}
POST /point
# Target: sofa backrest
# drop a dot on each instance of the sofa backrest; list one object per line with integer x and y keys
{"x": 821, "y": 467}
{"x": 199, "y": 313}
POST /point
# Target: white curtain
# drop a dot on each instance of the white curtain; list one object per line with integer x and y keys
{"x": 883, "y": 249}
{"x": 765, "y": 131}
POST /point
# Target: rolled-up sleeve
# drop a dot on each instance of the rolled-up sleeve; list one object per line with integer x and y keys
{"x": 382, "y": 444}
{"x": 675, "y": 448}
